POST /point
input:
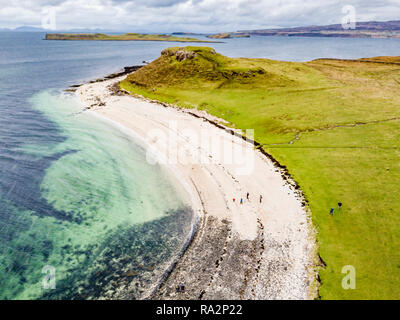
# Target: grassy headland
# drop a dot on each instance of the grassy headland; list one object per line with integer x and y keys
{"x": 335, "y": 124}
{"x": 122, "y": 37}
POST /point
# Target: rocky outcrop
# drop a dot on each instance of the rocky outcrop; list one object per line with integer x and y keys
{"x": 180, "y": 54}
{"x": 183, "y": 55}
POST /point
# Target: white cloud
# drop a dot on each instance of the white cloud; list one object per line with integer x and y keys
{"x": 191, "y": 15}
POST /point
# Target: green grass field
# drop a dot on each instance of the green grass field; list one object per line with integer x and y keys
{"x": 343, "y": 119}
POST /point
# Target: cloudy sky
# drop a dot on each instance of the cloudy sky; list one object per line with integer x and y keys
{"x": 189, "y": 15}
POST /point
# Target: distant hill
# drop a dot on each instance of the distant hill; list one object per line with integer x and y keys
{"x": 28, "y": 29}
{"x": 38, "y": 29}
{"x": 370, "y": 29}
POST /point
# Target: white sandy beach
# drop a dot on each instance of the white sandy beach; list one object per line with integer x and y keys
{"x": 284, "y": 265}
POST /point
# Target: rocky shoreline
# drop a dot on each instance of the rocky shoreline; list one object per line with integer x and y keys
{"x": 125, "y": 71}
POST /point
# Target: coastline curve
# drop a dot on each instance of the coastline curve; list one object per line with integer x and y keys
{"x": 239, "y": 251}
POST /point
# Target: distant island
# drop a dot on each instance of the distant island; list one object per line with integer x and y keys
{"x": 229, "y": 35}
{"x": 120, "y": 37}
{"x": 188, "y": 34}
{"x": 370, "y": 29}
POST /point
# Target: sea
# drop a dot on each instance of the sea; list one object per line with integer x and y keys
{"x": 83, "y": 215}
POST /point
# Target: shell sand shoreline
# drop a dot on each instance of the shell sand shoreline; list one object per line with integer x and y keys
{"x": 238, "y": 251}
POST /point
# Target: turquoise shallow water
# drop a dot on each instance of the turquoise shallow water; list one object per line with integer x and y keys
{"x": 112, "y": 211}
{"x": 76, "y": 194}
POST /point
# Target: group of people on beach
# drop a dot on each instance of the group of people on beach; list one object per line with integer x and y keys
{"x": 248, "y": 198}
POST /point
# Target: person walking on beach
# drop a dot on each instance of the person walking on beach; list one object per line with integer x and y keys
{"x": 233, "y": 199}
{"x": 260, "y": 198}
{"x": 248, "y": 194}
{"x": 180, "y": 288}
{"x": 241, "y": 200}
